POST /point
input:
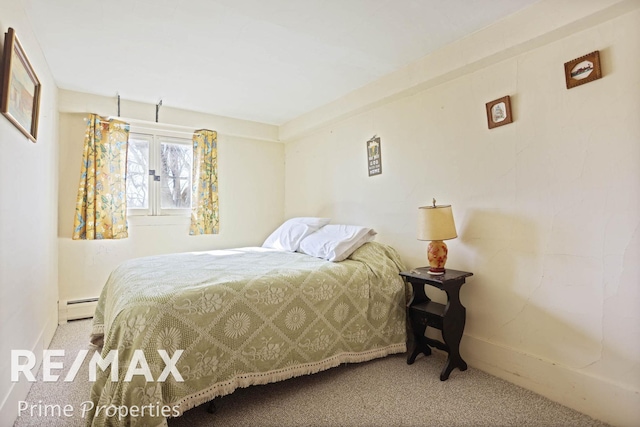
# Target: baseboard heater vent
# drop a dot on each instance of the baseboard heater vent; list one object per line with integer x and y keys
{"x": 76, "y": 309}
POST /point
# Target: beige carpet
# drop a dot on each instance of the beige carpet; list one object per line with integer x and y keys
{"x": 383, "y": 392}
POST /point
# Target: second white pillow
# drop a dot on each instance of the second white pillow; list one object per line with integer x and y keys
{"x": 335, "y": 242}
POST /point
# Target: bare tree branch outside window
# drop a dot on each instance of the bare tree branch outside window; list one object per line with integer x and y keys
{"x": 176, "y": 176}
{"x": 138, "y": 174}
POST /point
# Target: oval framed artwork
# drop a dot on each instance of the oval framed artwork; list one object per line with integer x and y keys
{"x": 582, "y": 70}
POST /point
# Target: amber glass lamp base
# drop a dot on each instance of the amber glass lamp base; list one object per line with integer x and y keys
{"x": 437, "y": 255}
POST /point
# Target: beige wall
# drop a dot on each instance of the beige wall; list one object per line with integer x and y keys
{"x": 28, "y": 246}
{"x": 547, "y": 208}
{"x": 251, "y": 175}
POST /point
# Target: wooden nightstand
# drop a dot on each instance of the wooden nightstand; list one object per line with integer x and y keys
{"x": 449, "y": 318}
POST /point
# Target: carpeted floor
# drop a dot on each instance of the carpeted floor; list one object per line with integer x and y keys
{"x": 383, "y": 392}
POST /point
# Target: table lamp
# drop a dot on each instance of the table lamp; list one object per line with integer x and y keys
{"x": 435, "y": 223}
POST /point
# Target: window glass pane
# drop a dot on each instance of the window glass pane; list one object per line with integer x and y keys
{"x": 175, "y": 189}
{"x": 138, "y": 173}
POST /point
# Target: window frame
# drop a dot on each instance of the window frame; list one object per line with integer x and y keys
{"x": 157, "y": 136}
{"x": 142, "y": 211}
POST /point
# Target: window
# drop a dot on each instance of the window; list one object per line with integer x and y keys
{"x": 159, "y": 171}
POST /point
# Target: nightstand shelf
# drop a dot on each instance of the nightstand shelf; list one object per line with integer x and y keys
{"x": 449, "y": 318}
{"x": 431, "y": 307}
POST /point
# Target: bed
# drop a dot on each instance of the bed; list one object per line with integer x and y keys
{"x": 242, "y": 317}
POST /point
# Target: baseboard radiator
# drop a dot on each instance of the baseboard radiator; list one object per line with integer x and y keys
{"x": 76, "y": 309}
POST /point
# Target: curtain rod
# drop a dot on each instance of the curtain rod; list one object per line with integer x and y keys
{"x": 153, "y": 124}
{"x": 141, "y": 128}
{"x": 187, "y": 130}
{"x": 140, "y": 125}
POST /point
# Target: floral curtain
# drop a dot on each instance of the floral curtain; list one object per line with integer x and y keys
{"x": 204, "y": 211}
{"x": 101, "y": 207}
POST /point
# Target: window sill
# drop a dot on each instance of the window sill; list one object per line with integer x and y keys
{"x": 146, "y": 220}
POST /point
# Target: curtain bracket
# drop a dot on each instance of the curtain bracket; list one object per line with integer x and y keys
{"x": 158, "y": 105}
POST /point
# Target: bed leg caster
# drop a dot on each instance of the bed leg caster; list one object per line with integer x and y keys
{"x": 211, "y": 407}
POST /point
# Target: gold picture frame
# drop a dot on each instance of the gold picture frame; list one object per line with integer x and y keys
{"x": 499, "y": 112}
{"x": 20, "y": 88}
{"x": 582, "y": 70}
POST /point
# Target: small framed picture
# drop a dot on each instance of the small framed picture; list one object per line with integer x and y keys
{"x": 499, "y": 112}
{"x": 582, "y": 70}
{"x": 374, "y": 156}
{"x": 20, "y": 88}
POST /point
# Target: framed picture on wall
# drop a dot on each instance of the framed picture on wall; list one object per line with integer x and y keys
{"x": 20, "y": 88}
{"x": 499, "y": 112}
{"x": 374, "y": 156}
{"x": 582, "y": 70}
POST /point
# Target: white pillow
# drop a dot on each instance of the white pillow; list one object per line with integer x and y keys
{"x": 288, "y": 236}
{"x": 336, "y": 242}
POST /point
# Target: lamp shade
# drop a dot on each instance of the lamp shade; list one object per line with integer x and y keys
{"x": 436, "y": 223}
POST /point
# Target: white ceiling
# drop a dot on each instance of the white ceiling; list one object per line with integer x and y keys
{"x": 263, "y": 60}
